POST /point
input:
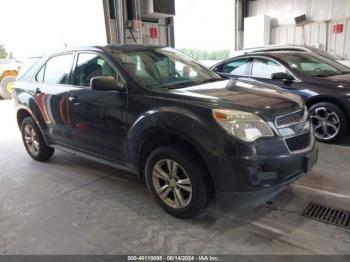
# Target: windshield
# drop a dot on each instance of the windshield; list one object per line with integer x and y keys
{"x": 323, "y": 53}
{"x": 314, "y": 65}
{"x": 164, "y": 68}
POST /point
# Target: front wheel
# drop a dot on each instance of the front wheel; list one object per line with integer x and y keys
{"x": 34, "y": 142}
{"x": 178, "y": 181}
{"x": 329, "y": 122}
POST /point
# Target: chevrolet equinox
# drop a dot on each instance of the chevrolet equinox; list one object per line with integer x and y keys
{"x": 153, "y": 111}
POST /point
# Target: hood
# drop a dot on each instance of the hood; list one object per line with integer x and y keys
{"x": 337, "y": 82}
{"x": 251, "y": 96}
{"x": 340, "y": 79}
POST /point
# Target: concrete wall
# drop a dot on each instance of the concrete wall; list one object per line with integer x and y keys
{"x": 321, "y": 15}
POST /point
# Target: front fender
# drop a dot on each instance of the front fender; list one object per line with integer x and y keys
{"x": 183, "y": 123}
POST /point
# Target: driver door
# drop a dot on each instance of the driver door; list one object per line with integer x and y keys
{"x": 98, "y": 119}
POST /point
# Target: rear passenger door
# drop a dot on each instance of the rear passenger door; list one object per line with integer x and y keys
{"x": 51, "y": 89}
{"x": 98, "y": 118}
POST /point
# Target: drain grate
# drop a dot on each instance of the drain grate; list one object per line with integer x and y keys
{"x": 328, "y": 215}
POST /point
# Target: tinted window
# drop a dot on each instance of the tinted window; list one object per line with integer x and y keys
{"x": 90, "y": 66}
{"x": 57, "y": 69}
{"x": 264, "y": 68}
{"x": 313, "y": 65}
{"x": 236, "y": 67}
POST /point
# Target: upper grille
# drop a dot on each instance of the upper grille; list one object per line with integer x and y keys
{"x": 297, "y": 143}
{"x": 289, "y": 119}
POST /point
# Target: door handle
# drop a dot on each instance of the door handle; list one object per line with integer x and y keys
{"x": 74, "y": 99}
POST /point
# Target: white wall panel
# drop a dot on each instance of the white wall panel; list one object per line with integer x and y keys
{"x": 341, "y": 9}
{"x": 282, "y": 12}
{"x": 314, "y": 33}
{"x": 290, "y": 35}
{"x": 347, "y": 41}
{"x": 322, "y": 38}
{"x": 298, "y": 35}
{"x": 273, "y": 36}
{"x": 339, "y": 47}
{"x": 318, "y": 31}
{"x": 283, "y": 35}
{"x": 256, "y": 31}
{"x": 330, "y": 39}
{"x": 321, "y": 10}
{"x": 307, "y": 34}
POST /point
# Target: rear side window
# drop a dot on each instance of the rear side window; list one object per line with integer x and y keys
{"x": 236, "y": 67}
{"x": 56, "y": 70}
{"x": 264, "y": 68}
{"x": 89, "y": 66}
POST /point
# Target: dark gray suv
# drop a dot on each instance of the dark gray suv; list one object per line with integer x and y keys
{"x": 160, "y": 115}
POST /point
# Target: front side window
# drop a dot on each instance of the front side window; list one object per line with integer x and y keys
{"x": 163, "y": 68}
{"x": 236, "y": 67}
{"x": 91, "y": 65}
{"x": 264, "y": 68}
{"x": 57, "y": 69}
{"x": 314, "y": 65}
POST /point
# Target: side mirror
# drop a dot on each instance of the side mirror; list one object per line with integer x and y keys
{"x": 106, "y": 83}
{"x": 282, "y": 76}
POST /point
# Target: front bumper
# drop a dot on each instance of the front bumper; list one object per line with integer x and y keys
{"x": 262, "y": 178}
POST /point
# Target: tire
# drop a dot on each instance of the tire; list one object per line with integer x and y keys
{"x": 35, "y": 145}
{"x": 5, "y": 89}
{"x": 189, "y": 167}
{"x": 329, "y": 122}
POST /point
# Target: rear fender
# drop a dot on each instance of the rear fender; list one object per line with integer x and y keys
{"x": 26, "y": 102}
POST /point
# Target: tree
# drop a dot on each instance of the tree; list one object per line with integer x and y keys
{"x": 206, "y": 54}
{"x": 3, "y": 53}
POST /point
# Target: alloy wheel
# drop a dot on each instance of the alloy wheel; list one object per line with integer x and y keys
{"x": 172, "y": 183}
{"x": 31, "y": 140}
{"x": 326, "y": 123}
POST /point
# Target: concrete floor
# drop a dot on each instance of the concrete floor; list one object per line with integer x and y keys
{"x": 72, "y": 206}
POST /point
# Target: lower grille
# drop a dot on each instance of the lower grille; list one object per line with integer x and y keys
{"x": 297, "y": 143}
{"x": 328, "y": 215}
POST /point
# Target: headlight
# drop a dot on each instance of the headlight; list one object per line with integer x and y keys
{"x": 245, "y": 126}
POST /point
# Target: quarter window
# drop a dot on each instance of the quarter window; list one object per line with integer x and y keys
{"x": 89, "y": 66}
{"x": 40, "y": 76}
{"x": 264, "y": 68}
{"x": 236, "y": 67}
{"x": 57, "y": 69}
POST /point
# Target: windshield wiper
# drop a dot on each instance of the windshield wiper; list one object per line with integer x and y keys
{"x": 180, "y": 85}
{"x": 322, "y": 75}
